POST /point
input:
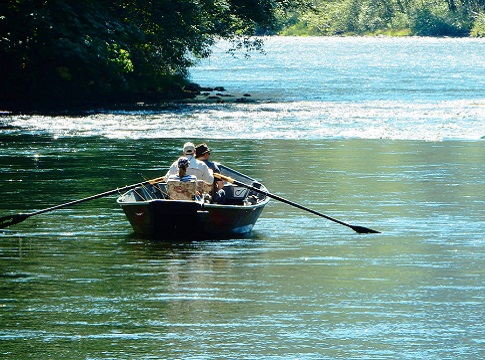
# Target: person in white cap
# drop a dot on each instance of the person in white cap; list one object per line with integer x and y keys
{"x": 196, "y": 167}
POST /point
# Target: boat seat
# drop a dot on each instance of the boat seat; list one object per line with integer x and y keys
{"x": 203, "y": 188}
{"x": 178, "y": 190}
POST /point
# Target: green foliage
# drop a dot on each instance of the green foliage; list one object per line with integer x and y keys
{"x": 65, "y": 52}
{"x": 436, "y": 19}
{"x": 478, "y": 29}
{"x": 70, "y": 52}
{"x": 336, "y": 17}
{"x": 415, "y": 17}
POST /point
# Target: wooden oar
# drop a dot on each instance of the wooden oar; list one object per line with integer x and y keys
{"x": 359, "y": 229}
{"x": 17, "y": 218}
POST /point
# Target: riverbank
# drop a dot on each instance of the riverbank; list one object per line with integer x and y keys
{"x": 191, "y": 94}
{"x": 220, "y": 95}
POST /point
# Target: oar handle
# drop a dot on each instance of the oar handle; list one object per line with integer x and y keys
{"x": 358, "y": 229}
{"x": 224, "y": 177}
{"x": 156, "y": 180}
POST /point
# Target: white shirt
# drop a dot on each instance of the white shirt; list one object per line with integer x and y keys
{"x": 196, "y": 167}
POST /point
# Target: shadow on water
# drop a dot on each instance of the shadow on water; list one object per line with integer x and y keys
{"x": 149, "y": 248}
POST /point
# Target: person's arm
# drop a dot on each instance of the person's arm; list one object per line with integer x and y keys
{"x": 219, "y": 184}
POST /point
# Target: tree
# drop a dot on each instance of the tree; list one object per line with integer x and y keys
{"x": 418, "y": 17}
{"x": 58, "y": 52}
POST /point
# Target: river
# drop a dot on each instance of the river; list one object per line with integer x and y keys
{"x": 380, "y": 132}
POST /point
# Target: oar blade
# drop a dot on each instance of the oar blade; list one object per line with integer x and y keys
{"x": 363, "y": 230}
{"x": 9, "y": 220}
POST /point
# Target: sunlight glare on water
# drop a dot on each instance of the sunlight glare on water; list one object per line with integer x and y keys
{"x": 287, "y": 120}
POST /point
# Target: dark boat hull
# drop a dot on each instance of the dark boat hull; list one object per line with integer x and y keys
{"x": 177, "y": 219}
{"x": 152, "y": 214}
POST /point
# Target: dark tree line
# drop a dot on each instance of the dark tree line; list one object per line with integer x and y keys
{"x": 63, "y": 53}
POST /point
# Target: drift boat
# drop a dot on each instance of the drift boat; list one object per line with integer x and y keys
{"x": 165, "y": 210}
{"x": 153, "y": 213}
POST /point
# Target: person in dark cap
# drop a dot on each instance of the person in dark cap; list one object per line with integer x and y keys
{"x": 201, "y": 149}
{"x": 202, "y": 153}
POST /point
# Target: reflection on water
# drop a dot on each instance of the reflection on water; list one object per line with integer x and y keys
{"x": 76, "y": 283}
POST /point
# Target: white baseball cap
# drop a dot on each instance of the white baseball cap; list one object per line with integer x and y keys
{"x": 189, "y": 148}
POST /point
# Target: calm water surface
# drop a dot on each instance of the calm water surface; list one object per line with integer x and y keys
{"x": 78, "y": 284}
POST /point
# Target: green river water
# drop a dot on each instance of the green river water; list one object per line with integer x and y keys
{"x": 78, "y": 284}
